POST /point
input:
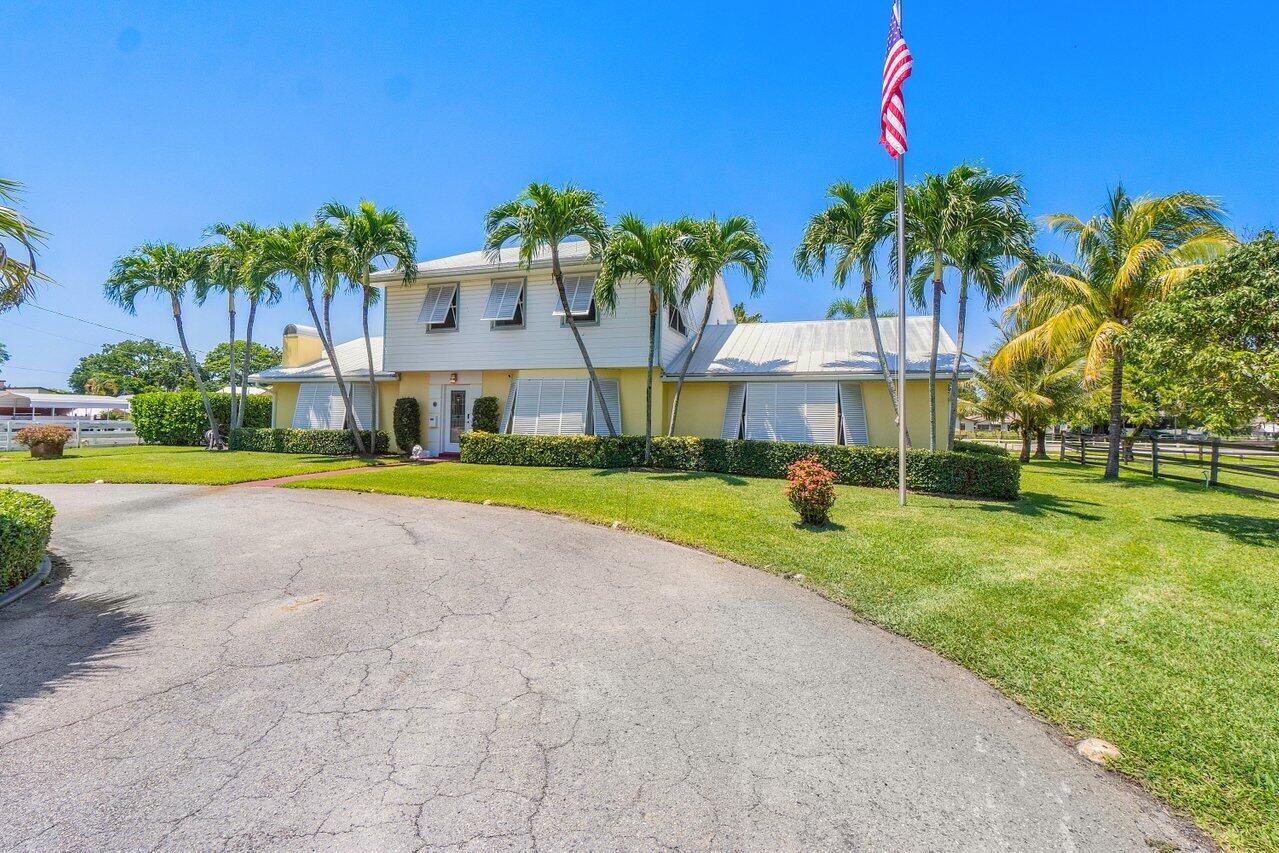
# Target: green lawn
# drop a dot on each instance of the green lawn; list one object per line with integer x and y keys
{"x": 1144, "y": 612}
{"x": 156, "y": 464}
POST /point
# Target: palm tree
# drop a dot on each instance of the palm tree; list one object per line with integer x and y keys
{"x": 713, "y": 247}
{"x": 1128, "y": 257}
{"x": 993, "y": 236}
{"x": 105, "y": 385}
{"x": 299, "y": 251}
{"x": 17, "y": 276}
{"x": 540, "y": 218}
{"x": 938, "y": 211}
{"x": 168, "y": 272}
{"x": 259, "y": 287}
{"x": 655, "y": 255}
{"x": 367, "y": 234}
{"x": 740, "y": 315}
{"x": 844, "y": 308}
{"x": 848, "y": 234}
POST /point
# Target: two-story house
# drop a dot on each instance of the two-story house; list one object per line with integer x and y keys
{"x": 467, "y": 327}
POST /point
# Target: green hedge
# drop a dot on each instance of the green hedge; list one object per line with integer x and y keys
{"x": 177, "y": 417}
{"x": 965, "y": 446}
{"x": 407, "y": 423}
{"x": 25, "y": 523}
{"x": 486, "y": 414}
{"x": 976, "y": 474}
{"x": 324, "y": 442}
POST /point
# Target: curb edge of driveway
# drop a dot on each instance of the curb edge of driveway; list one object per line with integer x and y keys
{"x": 41, "y": 575}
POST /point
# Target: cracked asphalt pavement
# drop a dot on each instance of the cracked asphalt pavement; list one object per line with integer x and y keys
{"x": 287, "y": 669}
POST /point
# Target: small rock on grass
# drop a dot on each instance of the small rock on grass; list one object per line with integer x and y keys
{"x": 488, "y": 501}
{"x": 1098, "y": 751}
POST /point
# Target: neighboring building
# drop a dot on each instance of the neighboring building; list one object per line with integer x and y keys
{"x": 21, "y": 404}
{"x": 467, "y": 327}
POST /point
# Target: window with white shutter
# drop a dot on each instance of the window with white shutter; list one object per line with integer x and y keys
{"x": 852, "y": 413}
{"x": 580, "y": 291}
{"x": 792, "y": 411}
{"x": 505, "y": 306}
{"x": 733, "y": 411}
{"x": 320, "y": 406}
{"x": 612, "y": 399}
{"x": 549, "y": 407}
{"x": 508, "y": 409}
{"x": 439, "y": 308}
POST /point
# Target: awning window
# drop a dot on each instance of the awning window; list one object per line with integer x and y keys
{"x": 320, "y": 406}
{"x": 550, "y": 407}
{"x": 436, "y": 305}
{"x": 504, "y": 299}
{"x": 580, "y": 291}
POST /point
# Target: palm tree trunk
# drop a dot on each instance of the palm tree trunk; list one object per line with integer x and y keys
{"x": 244, "y": 373}
{"x": 869, "y": 295}
{"x": 688, "y": 359}
{"x": 368, "y": 351}
{"x": 327, "y": 343}
{"x": 1041, "y": 444}
{"x": 577, "y": 336}
{"x": 193, "y": 367}
{"x": 1025, "y": 445}
{"x": 1116, "y": 414}
{"x": 230, "y": 363}
{"x": 648, "y": 390}
{"x": 953, "y": 397}
{"x": 932, "y": 365}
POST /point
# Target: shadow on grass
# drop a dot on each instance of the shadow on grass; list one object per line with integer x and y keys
{"x": 1246, "y": 529}
{"x": 828, "y": 527}
{"x": 51, "y": 638}
{"x": 1041, "y": 504}
{"x": 671, "y": 476}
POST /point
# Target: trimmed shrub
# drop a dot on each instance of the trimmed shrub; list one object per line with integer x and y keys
{"x": 486, "y": 414}
{"x": 28, "y": 436}
{"x": 25, "y": 523}
{"x": 976, "y": 474}
{"x": 322, "y": 442}
{"x": 177, "y": 417}
{"x": 810, "y": 488}
{"x": 964, "y": 446}
{"x": 407, "y": 423}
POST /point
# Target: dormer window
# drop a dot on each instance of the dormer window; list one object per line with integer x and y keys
{"x": 439, "y": 308}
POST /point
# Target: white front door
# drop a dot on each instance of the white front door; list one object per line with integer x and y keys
{"x": 457, "y": 417}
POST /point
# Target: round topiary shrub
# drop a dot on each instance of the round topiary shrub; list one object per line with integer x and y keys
{"x": 46, "y": 442}
{"x": 810, "y": 488}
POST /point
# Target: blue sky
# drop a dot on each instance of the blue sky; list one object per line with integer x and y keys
{"x": 135, "y": 121}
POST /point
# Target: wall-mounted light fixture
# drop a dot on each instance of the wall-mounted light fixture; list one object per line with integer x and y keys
{"x": 452, "y": 378}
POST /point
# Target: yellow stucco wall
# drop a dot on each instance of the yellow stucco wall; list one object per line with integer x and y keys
{"x": 701, "y": 408}
{"x": 286, "y": 400}
{"x": 300, "y": 349}
{"x": 879, "y": 413}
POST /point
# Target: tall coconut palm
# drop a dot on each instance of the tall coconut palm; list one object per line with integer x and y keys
{"x": 299, "y": 251}
{"x": 168, "y": 272}
{"x": 368, "y": 234}
{"x": 712, "y": 248}
{"x": 259, "y": 287}
{"x": 848, "y": 234}
{"x": 655, "y": 255}
{"x": 222, "y": 274}
{"x": 1128, "y": 257}
{"x": 993, "y": 236}
{"x": 17, "y": 275}
{"x": 938, "y": 211}
{"x": 540, "y": 218}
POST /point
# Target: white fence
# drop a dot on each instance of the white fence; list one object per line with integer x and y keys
{"x": 84, "y": 433}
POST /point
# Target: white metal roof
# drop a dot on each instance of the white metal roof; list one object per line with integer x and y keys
{"x": 571, "y": 252}
{"x": 822, "y": 348}
{"x": 351, "y": 360}
{"x": 32, "y": 399}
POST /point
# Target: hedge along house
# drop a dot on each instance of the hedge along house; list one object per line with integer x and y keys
{"x": 468, "y": 326}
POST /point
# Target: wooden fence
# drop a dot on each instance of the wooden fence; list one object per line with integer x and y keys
{"x": 84, "y": 433}
{"x": 1244, "y": 466}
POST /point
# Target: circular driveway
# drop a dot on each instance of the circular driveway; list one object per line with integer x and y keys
{"x": 288, "y": 669}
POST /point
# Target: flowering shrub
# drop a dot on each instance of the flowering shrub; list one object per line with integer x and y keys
{"x": 56, "y": 435}
{"x": 810, "y": 487}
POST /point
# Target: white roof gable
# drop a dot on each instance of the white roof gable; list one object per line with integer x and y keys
{"x": 571, "y": 252}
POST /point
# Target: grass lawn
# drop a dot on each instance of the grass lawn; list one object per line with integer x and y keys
{"x": 157, "y": 464}
{"x": 1144, "y": 612}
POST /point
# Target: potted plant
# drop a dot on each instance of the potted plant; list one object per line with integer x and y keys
{"x": 46, "y": 442}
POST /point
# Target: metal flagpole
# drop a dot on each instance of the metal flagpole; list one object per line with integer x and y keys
{"x": 901, "y": 316}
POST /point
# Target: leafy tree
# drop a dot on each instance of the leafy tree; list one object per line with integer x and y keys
{"x": 712, "y": 248}
{"x": 4, "y": 354}
{"x": 1128, "y": 258}
{"x": 740, "y": 315}
{"x": 847, "y": 235}
{"x": 655, "y": 255}
{"x": 134, "y": 367}
{"x": 367, "y": 234}
{"x": 167, "y": 272}
{"x": 1215, "y": 339}
{"x": 217, "y": 367}
{"x": 18, "y": 272}
{"x": 540, "y": 218}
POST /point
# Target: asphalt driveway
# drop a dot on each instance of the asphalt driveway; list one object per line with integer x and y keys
{"x": 288, "y": 669}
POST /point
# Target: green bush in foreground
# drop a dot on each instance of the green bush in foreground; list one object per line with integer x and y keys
{"x": 486, "y": 414}
{"x": 407, "y": 423}
{"x": 177, "y": 417}
{"x": 976, "y": 474}
{"x": 965, "y": 446}
{"x": 25, "y": 523}
{"x": 322, "y": 442}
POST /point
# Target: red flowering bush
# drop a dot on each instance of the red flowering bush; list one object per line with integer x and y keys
{"x": 810, "y": 488}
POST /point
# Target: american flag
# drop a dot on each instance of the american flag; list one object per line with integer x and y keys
{"x": 897, "y": 65}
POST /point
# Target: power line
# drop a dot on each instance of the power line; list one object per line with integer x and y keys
{"x": 102, "y": 326}
{"x": 50, "y": 334}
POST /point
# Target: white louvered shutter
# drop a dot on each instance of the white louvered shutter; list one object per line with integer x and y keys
{"x": 792, "y": 411}
{"x": 504, "y": 298}
{"x": 761, "y": 411}
{"x": 852, "y": 410}
{"x": 527, "y": 399}
{"x": 733, "y": 411}
{"x": 613, "y": 399}
{"x": 509, "y": 408}
{"x": 435, "y": 307}
{"x": 579, "y": 289}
